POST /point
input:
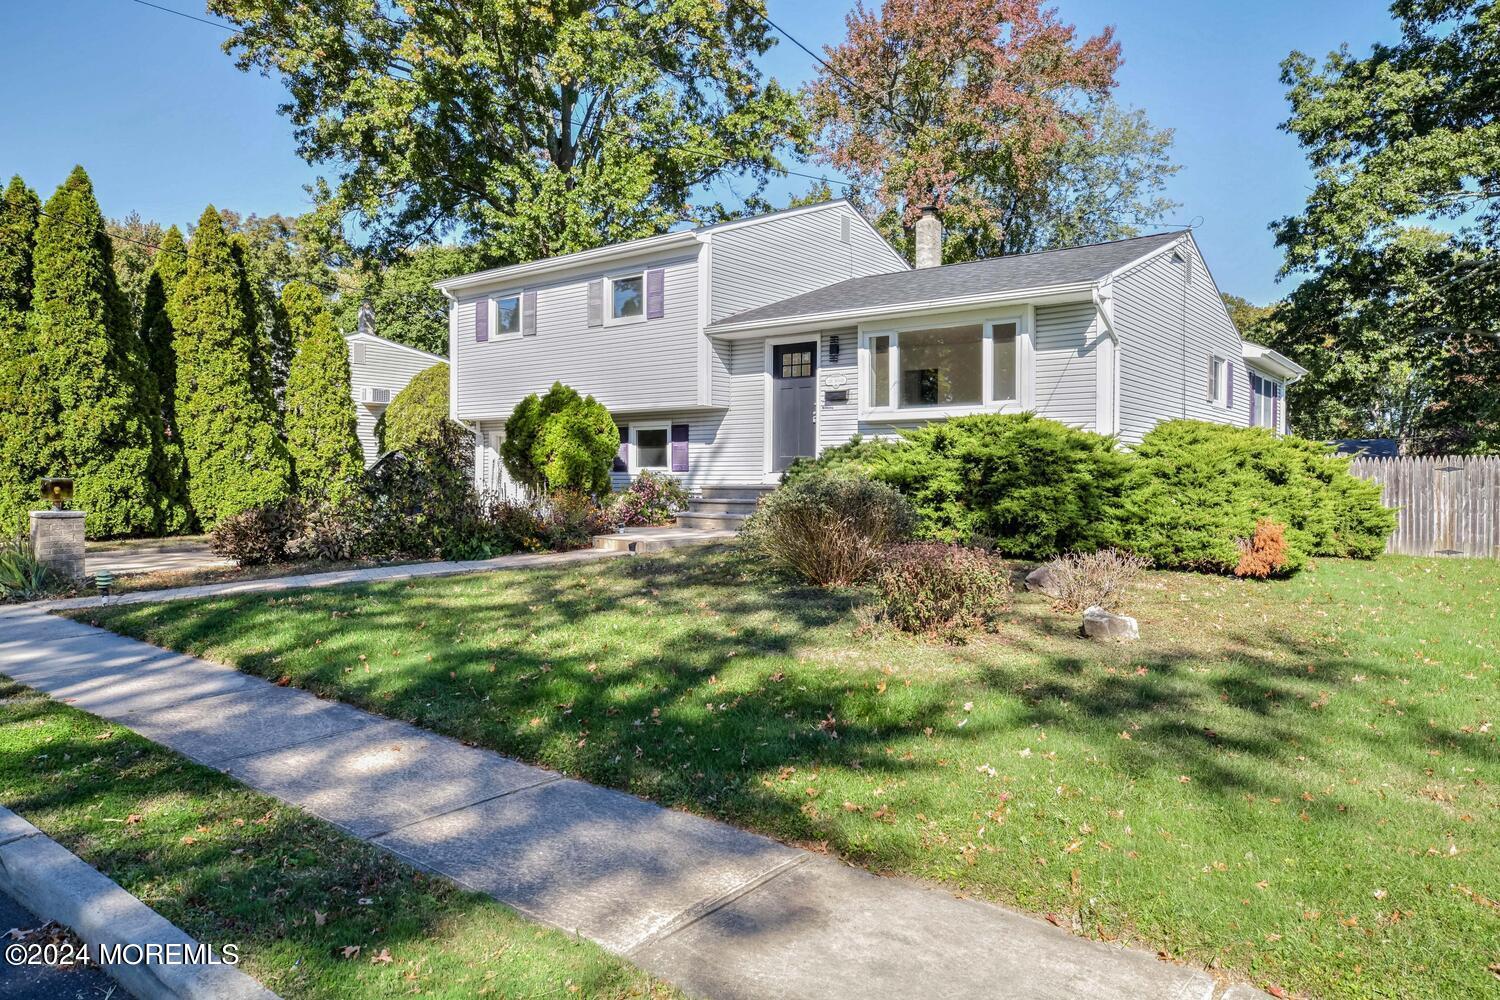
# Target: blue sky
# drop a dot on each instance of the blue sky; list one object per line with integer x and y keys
{"x": 164, "y": 123}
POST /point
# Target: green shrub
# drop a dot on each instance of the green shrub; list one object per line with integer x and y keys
{"x": 420, "y": 499}
{"x": 576, "y": 448}
{"x": 320, "y": 418}
{"x": 23, "y": 577}
{"x": 941, "y": 590}
{"x": 417, "y": 412}
{"x": 828, "y": 528}
{"x": 1034, "y": 486}
{"x": 1197, "y": 490}
{"x": 560, "y": 441}
{"x": 653, "y": 499}
{"x": 258, "y": 535}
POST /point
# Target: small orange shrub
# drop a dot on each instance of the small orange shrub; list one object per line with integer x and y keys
{"x": 1263, "y": 553}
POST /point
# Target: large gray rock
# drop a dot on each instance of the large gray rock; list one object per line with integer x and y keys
{"x": 1101, "y": 624}
{"x": 1040, "y": 581}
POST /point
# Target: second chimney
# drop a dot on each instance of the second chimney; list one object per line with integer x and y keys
{"x": 929, "y": 233}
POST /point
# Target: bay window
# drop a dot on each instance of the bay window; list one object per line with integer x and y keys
{"x": 962, "y": 366}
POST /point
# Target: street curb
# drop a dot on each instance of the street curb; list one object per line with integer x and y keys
{"x": 55, "y": 884}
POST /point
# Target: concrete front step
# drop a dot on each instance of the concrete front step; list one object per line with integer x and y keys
{"x": 711, "y": 520}
{"x": 743, "y": 491}
{"x": 658, "y": 539}
{"x": 743, "y": 506}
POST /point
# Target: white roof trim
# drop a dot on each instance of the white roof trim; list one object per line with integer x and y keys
{"x": 1122, "y": 269}
{"x": 847, "y": 317}
{"x": 1272, "y": 361}
{"x": 391, "y": 343}
{"x": 501, "y": 275}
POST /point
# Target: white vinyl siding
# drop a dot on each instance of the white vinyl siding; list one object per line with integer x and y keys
{"x": 386, "y": 365}
{"x": 784, "y": 256}
{"x": 1170, "y": 319}
{"x": 1066, "y": 377}
{"x": 645, "y": 364}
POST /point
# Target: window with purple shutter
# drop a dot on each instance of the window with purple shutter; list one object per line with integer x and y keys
{"x": 1229, "y": 395}
{"x": 655, "y": 282}
{"x": 482, "y": 321}
{"x": 679, "y": 447}
{"x": 622, "y": 454}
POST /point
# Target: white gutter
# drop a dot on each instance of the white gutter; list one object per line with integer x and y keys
{"x": 844, "y": 317}
{"x": 583, "y": 258}
{"x": 1272, "y": 361}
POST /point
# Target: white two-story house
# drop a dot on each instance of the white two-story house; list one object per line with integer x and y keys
{"x": 726, "y": 352}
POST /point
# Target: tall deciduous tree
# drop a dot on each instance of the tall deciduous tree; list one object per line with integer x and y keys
{"x": 22, "y": 409}
{"x": 994, "y": 111}
{"x": 536, "y": 128}
{"x": 235, "y": 458}
{"x": 320, "y": 419}
{"x": 105, "y": 428}
{"x": 1402, "y": 227}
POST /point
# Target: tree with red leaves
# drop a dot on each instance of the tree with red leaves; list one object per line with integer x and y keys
{"x": 995, "y": 112}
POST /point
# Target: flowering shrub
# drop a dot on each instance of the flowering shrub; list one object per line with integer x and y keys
{"x": 942, "y": 590}
{"x": 652, "y": 499}
{"x": 1094, "y": 579}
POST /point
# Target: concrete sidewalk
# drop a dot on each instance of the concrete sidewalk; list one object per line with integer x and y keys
{"x": 720, "y": 912}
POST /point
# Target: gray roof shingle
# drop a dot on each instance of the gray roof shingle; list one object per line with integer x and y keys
{"x": 1017, "y": 272}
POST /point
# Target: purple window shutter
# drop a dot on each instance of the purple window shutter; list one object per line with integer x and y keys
{"x": 1229, "y": 380}
{"x": 655, "y": 307}
{"x": 528, "y": 313}
{"x": 679, "y": 447}
{"x": 482, "y": 321}
{"x": 622, "y": 454}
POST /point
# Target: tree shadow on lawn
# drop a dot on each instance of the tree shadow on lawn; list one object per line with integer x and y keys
{"x": 700, "y": 682}
{"x": 231, "y": 866}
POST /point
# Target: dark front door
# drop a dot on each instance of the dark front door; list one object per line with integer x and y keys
{"x": 793, "y": 397}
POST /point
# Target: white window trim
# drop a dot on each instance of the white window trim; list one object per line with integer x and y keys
{"x": 610, "y": 319}
{"x": 494, "y": 307}
{"x": 1220, "y": 397}
{"x": 633, "y": 464}
{"x": 1024, "y": 318}
{"x": 768, "y": 460}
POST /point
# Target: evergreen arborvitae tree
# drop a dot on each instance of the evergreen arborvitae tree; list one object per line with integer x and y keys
{"x": 261, "y": 378}
{"x": 21, "y": 410}
{"x": 320, "y": 418}
{"x": 160, "y": 361}
{"x": 105, "y": 429}
{"x": 235, "y": 458}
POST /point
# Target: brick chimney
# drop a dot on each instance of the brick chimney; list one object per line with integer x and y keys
{"x": 929, "y": 232}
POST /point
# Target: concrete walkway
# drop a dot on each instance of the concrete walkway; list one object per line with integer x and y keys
{"x": 720, "y": 912}
{"x": 332, "y": 578}
{"x": 156, "y": 556}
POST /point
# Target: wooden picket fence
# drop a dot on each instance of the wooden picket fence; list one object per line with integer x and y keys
{"x": 1446, "y": 505}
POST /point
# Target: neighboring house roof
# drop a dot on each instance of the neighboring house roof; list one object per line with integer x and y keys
{"x": 396, "y": 344}
{"x": 1272, "y": 362}
{"x": 680, "y": 238}
{"x": 1030, "y": 272}
{"x": 1369, "y": 447}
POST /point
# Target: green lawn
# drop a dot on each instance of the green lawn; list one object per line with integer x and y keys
{"x": 1293, "y": 781}
{"x": 296, "y": 895}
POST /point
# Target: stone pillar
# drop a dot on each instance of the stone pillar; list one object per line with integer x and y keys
{"x": 57, "y": 540}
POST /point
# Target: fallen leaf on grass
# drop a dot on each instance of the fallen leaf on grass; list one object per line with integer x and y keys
{"x": 105, "y": 735}
{"x": 319, "y": 918}
{"x": 1055, "y": 920}
{"x": 350, "y": 951}
{"x": 384, "y": 958}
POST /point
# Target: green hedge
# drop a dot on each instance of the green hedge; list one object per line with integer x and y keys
{"x": 1184, "y": 497}
{"x": 1196, "y": 488}
{"x": 1033, "y": 487}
